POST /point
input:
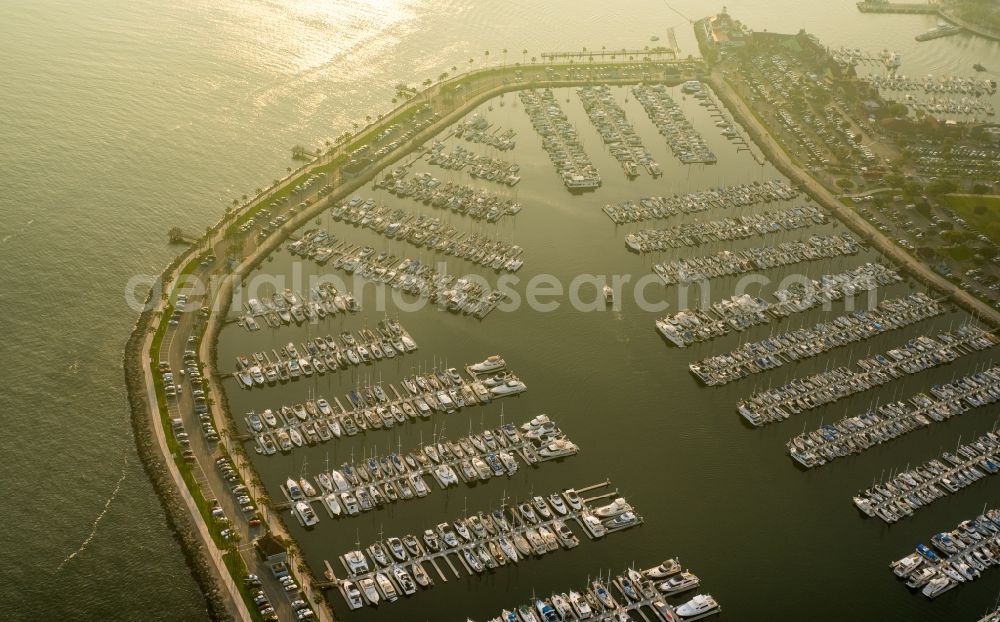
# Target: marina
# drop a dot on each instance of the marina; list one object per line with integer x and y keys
{"x": 286, "y": 427}
{"x": 617, "y": 133}
{"x": 697, "y": 233}
{"x": 357, "y": 488}
{"x": 827, "y": 387}
{"x": 759, "y": 356}
{"x": 560, "y": 140}
{"x": 729, "y": 263}
{"x": 958, "y": 556}
{"x": 908, "y": 491}
{"x": 481, "y": 542}
{"x": 323, "y": 354}
{"x": 429, "y": 233}
{"x": 737, "y": 313}
{"x": 684, "y": 140}
{"x": 631, "y": 591}
{"x": 725, "y": 197}
{"x": 852, "y": 435}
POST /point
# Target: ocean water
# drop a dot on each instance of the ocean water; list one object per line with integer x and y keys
{"x": 123, "y": 119}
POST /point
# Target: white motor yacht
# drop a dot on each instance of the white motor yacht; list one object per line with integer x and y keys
{"x": 700, "y": 605}
{"x": 491, "y": 364}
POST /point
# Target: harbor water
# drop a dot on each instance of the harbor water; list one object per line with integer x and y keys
{"x": 125, "y": 119}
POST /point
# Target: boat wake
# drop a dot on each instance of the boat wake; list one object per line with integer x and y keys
{"x": 93, "y": 528}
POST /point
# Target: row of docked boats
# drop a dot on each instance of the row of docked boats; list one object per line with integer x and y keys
{"x": 323, "y": 355}
{"x": 724, "y": 197}
{"x": 560, "y": 140}
{"x": 931, "y": 85}
{"x": 728, "y": 229}
{"x": 686, "y": 142}
{"x": 377, "y": 480}
{"x": 915, "y": 488}
{"x": 456, "y": 294}
{"x": 730, "y": 263}
{"x": 373, "y": 408}
{"x": 480, "y": 542}
{"x": 737, "y": 313}
{"x": 287, "y": 307}
{"x": 827, "y": 387}
{"x": 616, "y": 131}
{"x": 954, "y": 557}
{"x": 889, "y": 421}
{"x": 478, "y": 130}
{"x": 476, "y": 165}
{"x": 476, "y": 203}
{"x": 613, "y": 598}
{"x": 773, "y": 352}
{"x": 430, "y": 233}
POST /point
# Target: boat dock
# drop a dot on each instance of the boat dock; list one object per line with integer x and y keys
{"x": 616, "y": 131}
{"x": 852, "y": 435}
{"x": 686, "y": 142}
{"x": 322, "y": 355}
{"x": 415, "y": 277}
{"x": 827, "y": 387}
{"x": 429, "y": 233}
{"x": 729, "y": 263}
{"x": 701, "y": 232}
{"x": 482, "y": 541}
{"x": 358, "y": 488}
{"x": 477, "y": 166}
{"x": 560, "y": 140}
{"x": 371, "y": 408}
{"x": 291, "y": 306}
{"x": 961, "y": 556}
{"x": 740, "y": 312}
{"x": 633, "y": 591}
{"x": 915, "y": 488}
{"x": 478, "y": 130}
{"x": 773, "y": 352}
{"x": 725, "y": 197}
{"x": 476, "y": 203}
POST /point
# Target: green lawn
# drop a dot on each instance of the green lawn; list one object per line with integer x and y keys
{"x": 980, "y": 212}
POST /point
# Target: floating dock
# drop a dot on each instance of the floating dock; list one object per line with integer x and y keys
{"x": 485, "y": 541}
{"x": 853, "y": 435}
{"x": 773, "y": 352}
{"x": 917, "y": 355}
{"x": 915, "y": 488}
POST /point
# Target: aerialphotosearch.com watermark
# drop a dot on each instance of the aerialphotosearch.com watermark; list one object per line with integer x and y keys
{"x": 542, "y": 293}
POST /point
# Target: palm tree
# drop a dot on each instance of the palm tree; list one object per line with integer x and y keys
{"x": 236, "y": 202}
{"x": 532, "y": 60}
{"x": 368, "y": 119}
{"x": 244, "y": 198}
{"x": 524, "y": 56}
{"x": 486, "y": 58}
{"x": 505, "y": 57}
